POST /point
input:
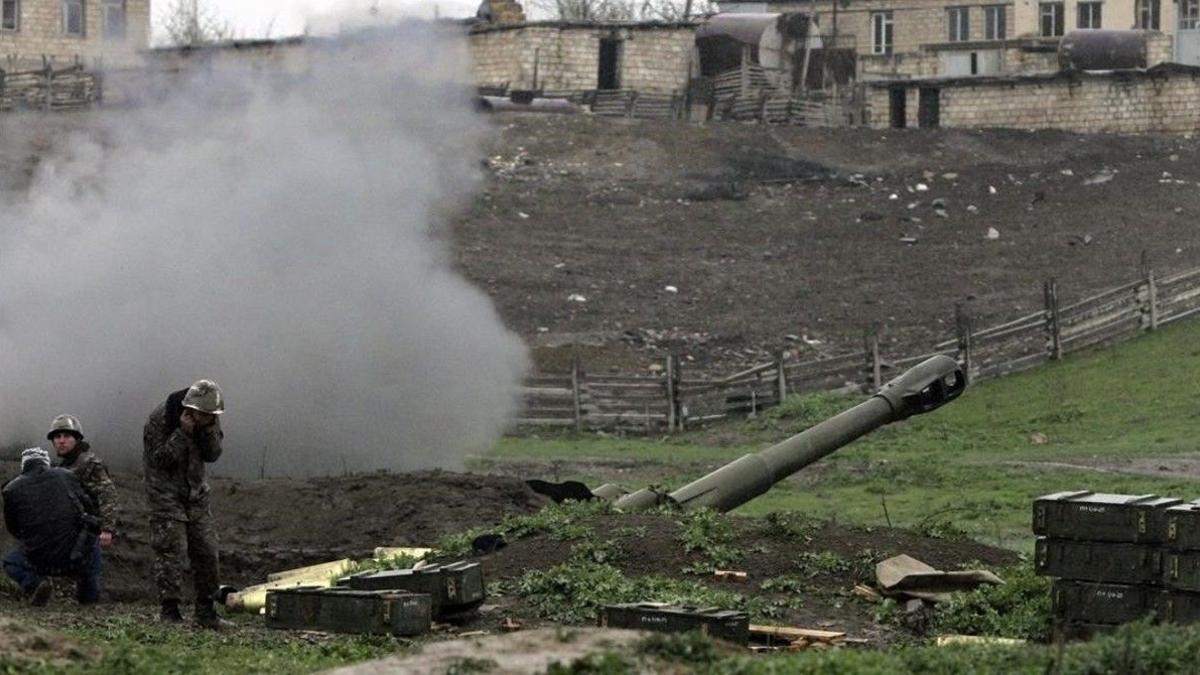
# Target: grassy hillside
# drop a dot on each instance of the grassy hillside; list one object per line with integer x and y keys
{"x": 1121, "y": 420}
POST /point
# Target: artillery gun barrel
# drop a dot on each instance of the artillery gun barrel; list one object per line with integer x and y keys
{"x": 925, "y": 387}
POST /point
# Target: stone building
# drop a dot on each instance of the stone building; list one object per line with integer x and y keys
{"x": 1158, "y": 99}
{"x": 93, "y": 32}
{"x": 647, "y": 57}
{"x": 940, "y": 38}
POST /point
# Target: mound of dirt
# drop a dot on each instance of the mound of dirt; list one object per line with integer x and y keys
{"x": 24, "y": 645}
{"x": 276, "y": 524}
{"x": 823, "y": 561}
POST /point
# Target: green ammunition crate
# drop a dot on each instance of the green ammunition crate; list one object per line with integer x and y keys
{"x": 1098, "y": 561}
{"x": 1180, "y": 607}
{"x": 1134, "y": 519}
{"x": 1181, "y": 570}
{"x": 724, "y": 624}
{"x": 1084, "y": 601}
{"x": 455, "y": 588}
{"x": 348, "y": 611}
{"x": 1183, "y": 527}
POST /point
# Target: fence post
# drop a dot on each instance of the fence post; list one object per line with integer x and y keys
{"x": 1152, "y": 300}
{"x": 962, "y": 324}
{"x": 875, "y": 369}
{"x": 631, "y": 105}
{"x": 672, "y": 402}
{"x": 782, "y": 379}
{"x": 1050, "y": 291}
{"x": 575, "y": 377}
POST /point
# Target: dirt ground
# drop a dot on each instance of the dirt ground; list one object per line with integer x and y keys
{"x": 783, "y": 238}
{"x": 273, "y": 525}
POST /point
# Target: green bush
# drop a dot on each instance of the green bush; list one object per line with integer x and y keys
{"x": 1019, "y": 608}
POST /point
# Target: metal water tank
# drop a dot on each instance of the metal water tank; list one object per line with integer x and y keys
{"x": 1102, "y": 50}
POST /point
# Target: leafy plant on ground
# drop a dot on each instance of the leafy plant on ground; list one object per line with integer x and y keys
{"x": 710, "y": 534}
{"x": 790, "y": 526}
{"x": 469, "y": 665}
{"x": 1018, "y": 608}
{"x": 565, "y": 522}
{"x": 829, "y": 563}
{"x": 599, "y": 663}
{"x": 692, "y": 647}
{"x": 592, "y": 551}
{"x": 575, "y": 593}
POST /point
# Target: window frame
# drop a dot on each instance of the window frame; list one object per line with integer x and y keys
{"x": 993, "y": 29}
{"x": 1189, "y": 20}
{"x": 109, "y": 8}
{"x": 883, "y": 33}
{"x": 66, "y": 6}
{"x": 1096, "y": 6}
{"x": 958, "y": 24}
{"x": 1148, "y": 14}
{"x": 16, "y": 16}
{"x": 1054, "y": 11}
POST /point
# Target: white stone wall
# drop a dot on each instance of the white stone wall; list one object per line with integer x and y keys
{"x": 40, "y": 33}
{"x": 652, "y": 59}
{"x": 1117, "y": 103}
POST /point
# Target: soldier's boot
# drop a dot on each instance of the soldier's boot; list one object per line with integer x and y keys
{"x": 41, "y": 593}
{"x": 170, "y": 612}
{"x": 207, "y": 617}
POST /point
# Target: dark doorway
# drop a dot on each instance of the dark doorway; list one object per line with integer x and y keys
{"x": 899, "y": 114}
{"x": 929, "y": 108}
{"x": 609, "y": 76}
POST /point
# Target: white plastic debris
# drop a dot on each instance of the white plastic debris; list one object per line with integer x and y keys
{"x": 921, "y": 187}
{"x": 575, "y": 297}
{"x": 1067, "y": 172}
{"x": 671, "y": 289}
{"x": 559, "y": 266}
{"x": 893, "y": 197}
{"x": 949, "y": 176}
{"x": 522, "y": 215}
{"x": 1099, "y": 179}
{"x": 992, "y": 189}
{"x": 993, "y": 233}
{"x": 972, "y": 208}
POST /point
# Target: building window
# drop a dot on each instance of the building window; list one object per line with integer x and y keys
{"x": 995, "y": 24}
{"x": 1051, "y": 15}
{"x": 1189, "y": 14}
{"x": 959, "y": 21}
{"x": 10, "y": 15}
{"x": 1148, "y": 14}
{"x": 881, "y": 33}
{"x": 114, "y": 20}
{"x": 73, "y": 22}
{"x": 1089, "y": 15}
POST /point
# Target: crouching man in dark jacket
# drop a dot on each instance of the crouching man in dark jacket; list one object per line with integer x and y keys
{"x": 56, "y": 522}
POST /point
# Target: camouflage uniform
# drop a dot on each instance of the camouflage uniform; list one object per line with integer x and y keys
{"x": 90, "y": 471}
{"x": 177, "y": 495}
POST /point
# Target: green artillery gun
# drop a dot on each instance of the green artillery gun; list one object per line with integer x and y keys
{"x": 921, "y": 389}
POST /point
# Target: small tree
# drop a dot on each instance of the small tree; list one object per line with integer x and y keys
{"x": 621, "y": 10}
{"x": 193, "y": 22}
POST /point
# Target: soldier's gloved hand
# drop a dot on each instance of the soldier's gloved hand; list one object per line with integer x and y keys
{"x": 105, "y": 539}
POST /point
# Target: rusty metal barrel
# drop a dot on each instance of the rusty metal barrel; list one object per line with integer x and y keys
{"x": 1102, "y": 50}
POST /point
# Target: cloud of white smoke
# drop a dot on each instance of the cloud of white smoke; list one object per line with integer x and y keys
{"x": 285, "y": 238}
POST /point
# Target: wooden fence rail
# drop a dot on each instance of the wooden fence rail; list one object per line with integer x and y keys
{"x": 672, "y": 401}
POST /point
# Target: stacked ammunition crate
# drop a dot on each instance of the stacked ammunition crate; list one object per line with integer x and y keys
{"x": 1118, "y": 558}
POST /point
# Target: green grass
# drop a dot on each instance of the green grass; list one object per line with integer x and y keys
{"x": 131, "y": 644}
{"x": 971, "y": 463}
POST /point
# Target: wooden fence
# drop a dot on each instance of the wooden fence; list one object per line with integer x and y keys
{"x": 48, "y": 89}
{"x": 672, "y": 401}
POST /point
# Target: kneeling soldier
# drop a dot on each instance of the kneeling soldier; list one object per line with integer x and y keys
{"x": 76, "y": 456}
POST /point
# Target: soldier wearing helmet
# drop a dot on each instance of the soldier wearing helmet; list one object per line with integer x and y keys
{"x": 76, "y": 456}
{"x": 181, "y": 436}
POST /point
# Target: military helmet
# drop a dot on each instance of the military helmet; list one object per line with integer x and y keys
{"x": 205, "y": 396}
{"x": 68, "y": 423}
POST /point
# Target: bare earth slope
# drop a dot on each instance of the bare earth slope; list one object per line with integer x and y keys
{"x": 771, "y": 232}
